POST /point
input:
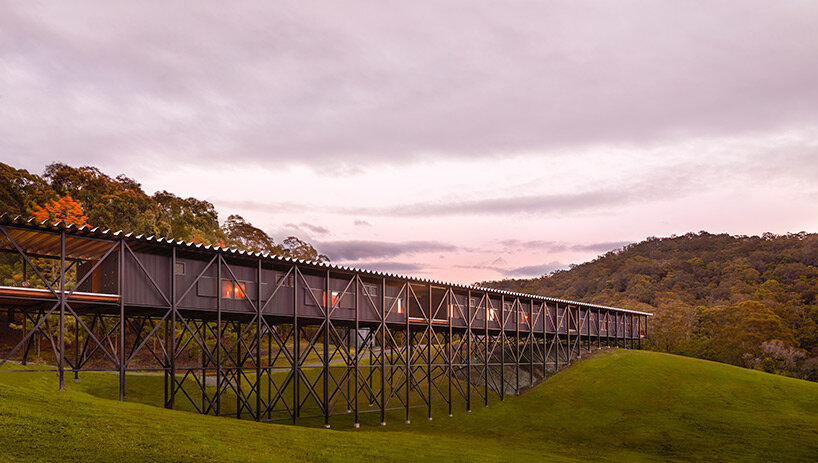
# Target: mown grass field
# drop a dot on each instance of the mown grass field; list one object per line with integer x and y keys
{"x": 615, "y": 406}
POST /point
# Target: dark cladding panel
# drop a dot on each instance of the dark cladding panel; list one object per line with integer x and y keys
{"x": 539, "y": 316}
{"x": 203, "y": 293}
{"x": 104, "y": 278}
{"x": 139, "y": 289}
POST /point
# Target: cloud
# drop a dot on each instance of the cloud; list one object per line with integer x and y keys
{"x": 362, "y": 223}
{"x": 393, "y": 267}
{"x": 499, "y": 266}
{"x": 514, "y": 245}
{"x": 354, "y": 251}
{"x": 535, "y": 270}
{"x": 312, "y": 229}
{"x": 340, "y": 85}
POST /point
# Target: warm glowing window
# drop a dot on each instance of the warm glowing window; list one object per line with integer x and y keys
{"x": 233, "y": 290}
{"x": 451, "y": 310}
{"x": 492, "y": 315}
{"x": 335, "y": 295}
{"x": 400, "y": 306}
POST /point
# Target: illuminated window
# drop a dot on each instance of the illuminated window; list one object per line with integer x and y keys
{"x": 400, "y": 306}
{"x": 335, "y": 295}
{"x": 233, "y": 290}
{"x": 492, "y": 314}
{"x": 451, "y": 310}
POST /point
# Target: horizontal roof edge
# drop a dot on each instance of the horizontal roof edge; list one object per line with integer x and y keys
{"x": 106, "y": 233}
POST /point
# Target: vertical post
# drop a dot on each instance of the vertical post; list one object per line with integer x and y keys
{"x": 296, "y": 347}
{"x": 239, "y": 366}
{"x": 530, "y": 338}
{"x": 358, "y": 288}
{"x": 502, "y": 348}
{"x": 172, "y": 347}
{"x": 544, "y": 318}
{"x": 61, "y": 363}
{"x": 556, "y": 339}
{"x": 449, "y": 310}
{"x": 121, "y": 319}
{"x": 258, "y": 342}
{"x": 383, "y": 352}
{"x": 270, "y": 371}
{"x": 468, "y": 351}
{"x": 598, "y": 328}
{"x": 409, "y": 372}
{"x": 219, "y": 336}
{"x": 429, "y": 356}
{"x": 517, "y": 308}
{"x": 76, "y": 349}
{"x": 568, "y": 319}
{"x": 325, "y": 355}
{"x": 486, "y": 349}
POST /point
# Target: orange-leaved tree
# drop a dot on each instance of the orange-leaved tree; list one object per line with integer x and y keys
{"x": 65, "y": 209}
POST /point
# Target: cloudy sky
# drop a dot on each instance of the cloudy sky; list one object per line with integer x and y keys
{"x": 458, "y": 140}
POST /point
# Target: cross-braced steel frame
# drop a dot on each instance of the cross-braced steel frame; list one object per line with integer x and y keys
{"x": 348, "y": 344}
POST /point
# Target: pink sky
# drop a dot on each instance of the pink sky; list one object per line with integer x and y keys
{"x": 455, "y": 140}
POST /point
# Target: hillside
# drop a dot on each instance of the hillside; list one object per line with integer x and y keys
{"x": 745, "y": 300}
{"x": 87, "y": 196}
{"x": 615, "y": 406}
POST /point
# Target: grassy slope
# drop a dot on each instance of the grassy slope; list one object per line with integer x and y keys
{"x": 614, "y": 406}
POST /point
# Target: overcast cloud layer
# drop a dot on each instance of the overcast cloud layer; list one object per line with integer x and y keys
{"x": 452, "y": 139}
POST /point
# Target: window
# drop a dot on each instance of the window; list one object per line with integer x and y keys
{"x": 335, "y": 295}
{"x": 233, "y": 290}
{"x": 492, "y": 313}
{"x": 451, "y": 310}
{"x": 180, "y": 268}
{"x": 371, "y": 290}
{"x": 400, "y": 305}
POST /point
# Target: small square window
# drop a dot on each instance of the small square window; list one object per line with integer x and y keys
{"x": 180, "y": 268}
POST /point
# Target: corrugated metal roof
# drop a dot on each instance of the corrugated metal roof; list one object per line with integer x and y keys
{"x": 98, "y": 232}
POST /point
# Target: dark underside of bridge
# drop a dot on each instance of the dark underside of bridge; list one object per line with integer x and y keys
{"x": 271, "y": 339}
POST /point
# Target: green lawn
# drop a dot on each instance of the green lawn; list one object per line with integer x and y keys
{"x": 615, "y": 406}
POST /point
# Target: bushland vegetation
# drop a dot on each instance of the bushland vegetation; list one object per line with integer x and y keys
{"x": 745, "y": 300}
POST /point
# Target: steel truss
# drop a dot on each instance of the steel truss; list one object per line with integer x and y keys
{"x": 466, "y": 347}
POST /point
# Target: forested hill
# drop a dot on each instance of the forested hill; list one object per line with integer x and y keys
{"x": 745, "y": 300}
{"x": 87, "y": 196}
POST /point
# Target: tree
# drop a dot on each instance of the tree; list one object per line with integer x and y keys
{"x": 298, "y": 249}
{"x": 189, "y": 218}
{"x": 21, "y": 191}
{"x": 64, "y": 209}
{"x": 243, "y": 235}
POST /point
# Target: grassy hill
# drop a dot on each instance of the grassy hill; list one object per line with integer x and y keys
{"x": 750, "y": 301}
{"x": 615, "y": 406}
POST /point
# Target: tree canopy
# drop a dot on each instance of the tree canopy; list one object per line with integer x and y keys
{"x": 746, "y": 300}
{"x": 87, "y": 196}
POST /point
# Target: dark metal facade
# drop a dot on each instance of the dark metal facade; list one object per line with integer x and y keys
{"x": 271, "y": 339}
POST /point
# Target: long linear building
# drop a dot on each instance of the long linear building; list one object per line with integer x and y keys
{"x": 272, "y": 339}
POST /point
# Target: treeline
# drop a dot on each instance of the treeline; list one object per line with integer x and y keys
{"x": 750, "y": 301}
{"x": 87, "y": 196}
